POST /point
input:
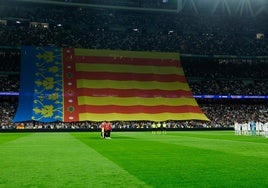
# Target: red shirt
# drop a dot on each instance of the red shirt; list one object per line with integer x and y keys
{"x": 108, "y": 126}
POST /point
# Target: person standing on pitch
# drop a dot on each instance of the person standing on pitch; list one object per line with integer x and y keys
{"x": 265, "y": 129}
{"x": 159, "y": 127}
{"x": 102, "y": 129}
{"x": 107, "y": 130}
{"x": 153, "y": 128}
{"x": 164, "y": 127}
{"x": 253, "y": 127}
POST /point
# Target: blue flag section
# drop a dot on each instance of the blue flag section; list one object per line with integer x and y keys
{"x": 41, "y": 88}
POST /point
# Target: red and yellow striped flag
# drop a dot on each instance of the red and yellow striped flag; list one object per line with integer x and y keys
{"x": 126, "y": 85}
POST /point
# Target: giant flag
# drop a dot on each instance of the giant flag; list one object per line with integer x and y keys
{"x": 67, "y": 84}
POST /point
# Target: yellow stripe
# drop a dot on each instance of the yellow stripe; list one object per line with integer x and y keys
{"x": 100, "y": 67}
{"x": 98, "y": 84}
{"x": 142, "y": 117}
{"x": 130, "y": 101}
{"x": 129, "y": 54}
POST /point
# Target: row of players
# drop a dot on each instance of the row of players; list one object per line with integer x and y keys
{"x": 251, "y": 128}
{"x": 106, "y": 129}
{"x": 159, "y": 128}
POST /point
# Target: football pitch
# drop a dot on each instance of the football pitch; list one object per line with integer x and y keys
{"x": 133, "y": 159}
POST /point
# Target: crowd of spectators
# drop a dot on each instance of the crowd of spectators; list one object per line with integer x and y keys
{"x": 203, "y": 36}
{"x": 225, "y": 112}
{"x": 9, "y": 61}
{"x": 9, "y": 83}
{"x": 7, "y": 111}
{"x": 234, "y": 76}
{"x": 229, "y": 87}
{"x": 128, "y": 30}
{"x": 9, "y": 70}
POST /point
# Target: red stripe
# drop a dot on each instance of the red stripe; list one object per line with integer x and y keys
{"x": 128, "y": 61}
{"x": 70, "y": 99}
{"x": 130, "y": 76}
{"x": 138, "y": 109}
{"x": 133, "y": 93}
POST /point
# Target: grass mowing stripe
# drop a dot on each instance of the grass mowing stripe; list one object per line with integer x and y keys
{"x": 242, "y": 145}
{"x": 161, "y": 161}
{"x": 7, "y": 137}
{"x": 58, "y": 160}
{"x": 231, "y": 145}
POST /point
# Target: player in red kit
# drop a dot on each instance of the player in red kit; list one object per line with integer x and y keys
{"x": 107, "y": 130}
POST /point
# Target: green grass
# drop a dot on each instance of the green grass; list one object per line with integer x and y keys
{"x": 133, "y": 159}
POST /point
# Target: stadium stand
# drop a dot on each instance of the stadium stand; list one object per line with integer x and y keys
{"x": 110, "y": 29}
{"x": 221, "y": 55}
